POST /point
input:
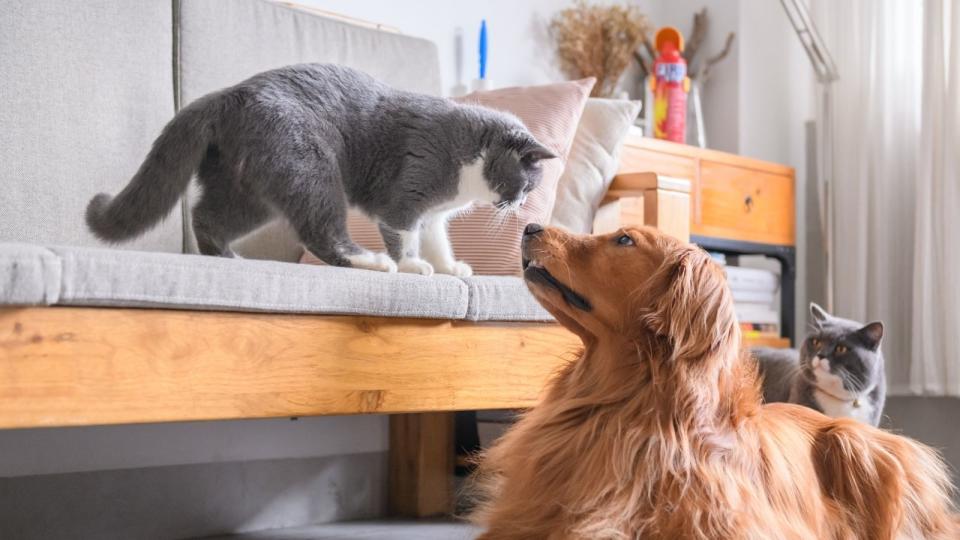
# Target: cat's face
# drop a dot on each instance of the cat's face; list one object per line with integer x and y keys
{"x": 842, "y": 357}
{"x": 514, "y": 167}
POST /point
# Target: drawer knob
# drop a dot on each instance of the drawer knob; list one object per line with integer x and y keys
{"x": 748, "y": 203}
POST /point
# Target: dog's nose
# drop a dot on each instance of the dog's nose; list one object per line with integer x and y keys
{"x": 532, "y": 228}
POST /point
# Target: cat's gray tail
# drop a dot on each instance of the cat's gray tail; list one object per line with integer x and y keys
{"x": 162, "y": 178}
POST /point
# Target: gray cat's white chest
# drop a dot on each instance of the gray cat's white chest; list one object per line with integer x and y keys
{"x": 859, "y": 409}
{"x": 472, "y": 187}
{"x": 835, "y": 400}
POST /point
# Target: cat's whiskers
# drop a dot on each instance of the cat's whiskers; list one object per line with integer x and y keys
{"x": 515, "y": 211}
{"x": 849, "y": 383}
{"x": 496, "y": 223}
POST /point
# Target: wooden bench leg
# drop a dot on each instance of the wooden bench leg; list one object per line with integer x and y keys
{"x": 421, "y": 464}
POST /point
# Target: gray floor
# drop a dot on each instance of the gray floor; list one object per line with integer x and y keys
{"x": 365, "y": 530}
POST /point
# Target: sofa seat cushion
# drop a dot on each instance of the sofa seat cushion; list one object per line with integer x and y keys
{"x": 29, "y": 275}
{"x": 76, "y": 276}
{"x": 502, "y": 298}
{"x": 105, "y": 277}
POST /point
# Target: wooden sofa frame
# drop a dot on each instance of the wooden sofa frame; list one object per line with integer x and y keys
{"x": 80, "y": 366}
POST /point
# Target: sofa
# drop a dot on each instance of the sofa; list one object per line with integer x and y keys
{"x": 152, "y": 332}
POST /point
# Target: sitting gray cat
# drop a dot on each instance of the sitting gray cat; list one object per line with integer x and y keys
{"x": 837, "y": 371}
{"x": 307, "y": 141}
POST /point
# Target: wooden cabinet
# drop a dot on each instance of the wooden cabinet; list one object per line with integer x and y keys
{"x": 745, "y": 204}
{"x": 732, "y": 197}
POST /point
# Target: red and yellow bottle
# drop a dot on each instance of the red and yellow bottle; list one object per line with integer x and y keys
{"x": 670, "y": 85}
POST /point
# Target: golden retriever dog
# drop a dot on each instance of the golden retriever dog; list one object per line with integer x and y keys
{"x": 658, "y": 431}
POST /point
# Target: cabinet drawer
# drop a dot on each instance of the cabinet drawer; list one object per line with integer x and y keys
{"x": 744, "y": 204}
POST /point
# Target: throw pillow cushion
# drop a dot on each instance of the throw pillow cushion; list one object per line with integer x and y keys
{"x": 593, "y": 162}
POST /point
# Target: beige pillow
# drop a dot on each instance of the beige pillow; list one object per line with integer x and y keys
{"x": 593, "y": 162}
{"x": 551, "y": 113}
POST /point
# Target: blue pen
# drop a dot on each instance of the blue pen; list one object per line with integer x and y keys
{"x": 483, "y": 49}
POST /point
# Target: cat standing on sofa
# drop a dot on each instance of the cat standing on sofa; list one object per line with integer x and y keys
{"x": 837, "y": 371}
{"x": 308, "y": 141}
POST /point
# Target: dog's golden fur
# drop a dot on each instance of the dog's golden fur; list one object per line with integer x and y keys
{"x": 657, "y": 430}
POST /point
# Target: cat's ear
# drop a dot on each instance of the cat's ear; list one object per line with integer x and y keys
{"x": 534, "y": 152}
{"x": 818, "y": 313}
{"x": 872, "y": 334}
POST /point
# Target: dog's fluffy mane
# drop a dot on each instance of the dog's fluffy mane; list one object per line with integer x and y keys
{"x": 657, "y": 431}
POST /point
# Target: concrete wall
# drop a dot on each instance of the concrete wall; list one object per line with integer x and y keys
{"x": 54, "y": 451}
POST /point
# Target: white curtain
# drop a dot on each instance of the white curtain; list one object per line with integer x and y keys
{"x": 894, "y": 183}
{"x": 935, "y": 359}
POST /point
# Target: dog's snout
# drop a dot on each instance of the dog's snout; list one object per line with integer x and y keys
{"x": 532, "y": 228}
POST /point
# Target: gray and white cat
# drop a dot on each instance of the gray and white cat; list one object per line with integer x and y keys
{"x": 837, "y": 371}
{"x": 306, "y": 142}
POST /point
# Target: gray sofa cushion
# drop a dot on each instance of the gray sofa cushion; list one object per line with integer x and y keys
{"x": 76, "y": 276}
{"x": 222, "y": 42}
{"x": 86, "y": 89}
{"x": 29, "y": 275}
{"x": 502, "y": 298}
{"x": 103, "y": 277}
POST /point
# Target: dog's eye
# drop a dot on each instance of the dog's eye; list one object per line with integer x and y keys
{"x": 625, "y": 240}
{"x": 840, "y": 349}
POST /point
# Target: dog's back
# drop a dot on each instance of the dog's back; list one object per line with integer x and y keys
{"x": 876, "y": 484}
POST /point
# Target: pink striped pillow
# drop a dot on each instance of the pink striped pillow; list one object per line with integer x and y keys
{"x": 551, "y": 113}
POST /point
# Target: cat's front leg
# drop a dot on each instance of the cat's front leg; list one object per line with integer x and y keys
{"x": 404, "y": 247}
{"x": 435, "y": 246}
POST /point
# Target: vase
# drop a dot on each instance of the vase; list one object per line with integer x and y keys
{"x": 696, "y": 133}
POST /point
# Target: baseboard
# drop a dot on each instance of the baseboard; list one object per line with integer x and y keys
{"x": 187, "y": 501}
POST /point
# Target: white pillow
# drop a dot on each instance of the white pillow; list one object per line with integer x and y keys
{"x": 593, "y": 162}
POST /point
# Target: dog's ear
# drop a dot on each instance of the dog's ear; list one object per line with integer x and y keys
{"x": 691, "y": 306}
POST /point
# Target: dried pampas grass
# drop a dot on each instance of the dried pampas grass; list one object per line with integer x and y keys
{"x": 598, "y": 41}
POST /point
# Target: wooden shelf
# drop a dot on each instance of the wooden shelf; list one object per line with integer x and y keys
{"x": 767, "y": 341}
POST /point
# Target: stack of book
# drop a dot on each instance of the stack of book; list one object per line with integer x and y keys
{"x": 755, "y": 299}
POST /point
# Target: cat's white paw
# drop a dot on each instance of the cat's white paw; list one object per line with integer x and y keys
{"x": 415, "y": 266}
{"x": 369, "y": 260}
{"x": 386, "y": 264}
{"x": 456, "y": 268}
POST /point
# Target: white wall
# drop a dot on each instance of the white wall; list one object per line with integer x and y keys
{"x": 720, "y": 98}
{"x": 519, "y": 52}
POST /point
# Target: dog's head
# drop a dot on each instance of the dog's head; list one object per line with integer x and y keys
{"x": 637, "y": 283}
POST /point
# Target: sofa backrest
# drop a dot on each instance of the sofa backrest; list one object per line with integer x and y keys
{"x": 222, "y": 42}
{"x": 84, "y": 89}
{"x": 87, "y": 89}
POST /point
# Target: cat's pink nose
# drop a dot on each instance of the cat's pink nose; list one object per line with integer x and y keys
{"x": 821, "y": 363}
